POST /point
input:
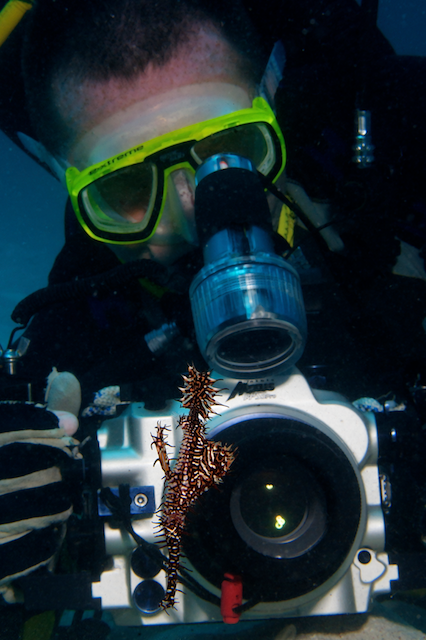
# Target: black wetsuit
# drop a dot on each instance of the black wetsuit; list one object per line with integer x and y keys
{"x": 100, "y": 336}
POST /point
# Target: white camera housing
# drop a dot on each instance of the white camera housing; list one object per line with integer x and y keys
{"x": 336, "y": 552}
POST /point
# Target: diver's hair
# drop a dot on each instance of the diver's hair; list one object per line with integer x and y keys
{"x": 81, "y": 40}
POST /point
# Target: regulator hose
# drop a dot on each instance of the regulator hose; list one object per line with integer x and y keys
{"x": 93, "y": 286}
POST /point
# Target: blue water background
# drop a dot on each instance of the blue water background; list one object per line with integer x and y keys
{"x": 31, "y": 228}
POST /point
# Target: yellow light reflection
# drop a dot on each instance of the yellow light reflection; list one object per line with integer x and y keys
{"x": 279, "y": 522}
{"x": 269, "y": 486}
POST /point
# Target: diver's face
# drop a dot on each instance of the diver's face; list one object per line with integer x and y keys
{"x": 201, "y": 82}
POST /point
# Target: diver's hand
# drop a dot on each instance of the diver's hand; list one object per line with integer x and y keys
{"x": 34, "y": 501}
{"x": 66, "y": 421}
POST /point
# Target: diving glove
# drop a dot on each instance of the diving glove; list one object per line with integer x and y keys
{"x": 34, "y": 500}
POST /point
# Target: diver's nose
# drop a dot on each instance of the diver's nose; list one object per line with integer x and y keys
{"x": 178, "y": 220}
{"x": 184, "y": 184}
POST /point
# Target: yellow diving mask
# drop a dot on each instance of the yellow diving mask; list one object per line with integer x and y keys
{"x": 120, "y": 200}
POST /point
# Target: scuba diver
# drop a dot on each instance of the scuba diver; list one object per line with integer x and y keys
{"x": 162, "y": 79}
{"x": 122, "y": 102}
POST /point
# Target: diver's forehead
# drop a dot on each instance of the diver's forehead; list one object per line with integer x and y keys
{"x": 157, "y": 116}
{"x": 207, "y": 59}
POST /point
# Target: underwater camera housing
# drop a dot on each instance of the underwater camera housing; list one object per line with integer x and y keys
{"x": 304, "y": 456}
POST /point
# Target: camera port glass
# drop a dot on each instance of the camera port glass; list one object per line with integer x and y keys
{"x": 287, "y": 519}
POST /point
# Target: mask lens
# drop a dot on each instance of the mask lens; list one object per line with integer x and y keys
{"x": 252, "y": 141}
{"x": 122, "y": 201}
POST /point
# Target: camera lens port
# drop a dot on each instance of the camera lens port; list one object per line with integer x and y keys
{"x": 287, "y": 517}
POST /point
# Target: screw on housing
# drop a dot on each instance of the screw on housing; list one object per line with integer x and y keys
{"x": 140, "y": 500}
{"x": 10, "y": 356}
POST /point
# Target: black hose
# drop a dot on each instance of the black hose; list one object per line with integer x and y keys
{"x": 120, "y": 509}
{"x": 297, "y": 211}
{"x": 94, "y": 285}
{"x": 370, "y": 10}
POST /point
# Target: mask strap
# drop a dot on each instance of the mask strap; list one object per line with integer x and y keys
{"x": 57, "y": 166}
{"x": 273, "y": 74}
